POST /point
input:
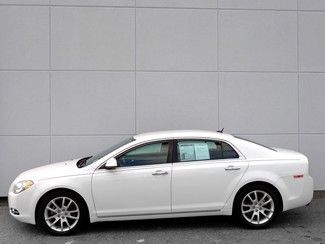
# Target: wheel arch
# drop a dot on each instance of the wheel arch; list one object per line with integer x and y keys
{"x": 58, "y": 190}
{"x": 253, "y": 183}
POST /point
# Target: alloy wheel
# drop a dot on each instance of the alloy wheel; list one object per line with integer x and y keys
{"x": 61, "y": 214}
{"x": 257, "y": 207}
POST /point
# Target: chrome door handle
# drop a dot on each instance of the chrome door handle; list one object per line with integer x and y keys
{"x": 160, "y": 172}
{"x": 231, "y": 167}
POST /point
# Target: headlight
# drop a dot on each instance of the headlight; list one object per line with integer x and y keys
{"x": 22, "y": 186}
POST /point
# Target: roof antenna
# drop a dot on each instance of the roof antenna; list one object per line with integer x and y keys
{"x": 220, "y": 131}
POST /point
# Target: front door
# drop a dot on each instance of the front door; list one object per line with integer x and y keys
{"x": 205, "y": 174}
{"x": 139, "y": 185}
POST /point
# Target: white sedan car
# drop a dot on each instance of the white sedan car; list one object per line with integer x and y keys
{"x": 164, "y": 175}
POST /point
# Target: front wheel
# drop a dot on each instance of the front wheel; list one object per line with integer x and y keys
{"x": 61, "y": 213}
{"x": 257, "y": 206}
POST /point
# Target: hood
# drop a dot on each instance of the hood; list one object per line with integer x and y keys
{"x": 61, "y": 169}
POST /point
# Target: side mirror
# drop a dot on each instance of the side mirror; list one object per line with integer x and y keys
{"x": 111, "y": 164}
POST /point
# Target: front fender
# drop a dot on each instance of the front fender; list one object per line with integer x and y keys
{"x": 80, "y": 184}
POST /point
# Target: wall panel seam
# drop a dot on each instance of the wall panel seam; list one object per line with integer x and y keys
{"x": 50, "y": 79}
{"x": 298, "y": 77}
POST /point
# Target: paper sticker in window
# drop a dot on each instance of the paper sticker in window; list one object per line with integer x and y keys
{"x": 191, "y": 151}
{"x": 186, "y": 152}
{"x": 201, "y": 151}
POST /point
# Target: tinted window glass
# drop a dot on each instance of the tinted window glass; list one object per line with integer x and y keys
{"x": 204, "y": 150}
{"x": 155, "y": 153}
{"x": 255, "y": 143}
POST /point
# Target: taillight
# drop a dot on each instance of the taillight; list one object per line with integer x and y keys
{"x": 298, "y": 176}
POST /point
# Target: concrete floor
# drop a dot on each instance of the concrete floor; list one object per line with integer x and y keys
{"x": 302, "y": 225}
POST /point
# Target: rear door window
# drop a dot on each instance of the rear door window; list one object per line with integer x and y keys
{"x": 197, "y": 150}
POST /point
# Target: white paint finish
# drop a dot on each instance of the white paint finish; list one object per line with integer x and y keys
{"x": 204, "y": 185}
{"x": 92, "y": 103}
{"x": 283, "y": 141}
{"x": 312, "y": 103}
{"x": 113, "y": 3}
{"x": 93, "y": 38}
{"x": 176, "y": 39}
{"x": 177, "y": 101}
{"x": 24, "y": 39}
{"x": 311, "y": 41}
{"x": 253, "y": 103}
{"x": 69, "y": 147}
{"x": 257, "y": 40}
{"x": 133, "y": 191}
{"x": 313, "y": 147}
{"x": 311, "y": 4}
{"x": 25, "y": 151}
{"x": 25, "y": 2}
{"x": 24, "y": 103}
{"x": 177, "y": 3}
{"x": 259, "y": 4}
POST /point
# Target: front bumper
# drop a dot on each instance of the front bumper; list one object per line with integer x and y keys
{"x": 22, "y": 205}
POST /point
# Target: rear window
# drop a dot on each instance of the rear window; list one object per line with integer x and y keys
{"x": 244, "y": 139}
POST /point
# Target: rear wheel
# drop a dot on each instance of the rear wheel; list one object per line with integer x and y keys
{"x": 257, "y": 206}
{"x": 61, "y": 213}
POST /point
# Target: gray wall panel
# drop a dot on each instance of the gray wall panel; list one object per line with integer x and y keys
{"x": 312, "y": 103}
{"x": 259, "y": 102}
{"x": 92, "y": 103}
{"x": 257, "y": 40}
{"x": 24, "y": 38}
{"x": 24, "y": 103}
{"x": 258, "y": 4}
{"x": 92, "y": 38}
{"x": 312, "y": 41}
{"x": 114, "y": 3}
{"x": 25, "y": 2}
{"x": 311, "y": 4}
{"x": 176, "y": 39}
{"x": 178, "y": 3}
{"x": 177, "y": 101}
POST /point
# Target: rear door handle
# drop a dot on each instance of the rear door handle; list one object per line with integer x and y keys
{"x": 231, "y": 167}
{"x": 160, "y": 172}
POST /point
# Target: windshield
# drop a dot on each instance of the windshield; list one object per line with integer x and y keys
{"x": 89, "y": 160}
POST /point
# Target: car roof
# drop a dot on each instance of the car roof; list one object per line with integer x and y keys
{"x": 181, "y": 134}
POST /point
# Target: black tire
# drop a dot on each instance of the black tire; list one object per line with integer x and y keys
{"x": 67, "y": 195}
{"x": 242, "y": 200}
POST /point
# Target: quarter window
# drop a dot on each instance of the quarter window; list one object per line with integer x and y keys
{"x": 155, "y": 153}
{"x": 204, "y": 150}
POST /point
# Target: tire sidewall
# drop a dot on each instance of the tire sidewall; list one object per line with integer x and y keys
{"x": 243, "y": 193}
{"x": 40, "y": 220}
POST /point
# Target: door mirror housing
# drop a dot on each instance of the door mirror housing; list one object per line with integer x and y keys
{"x": 111, "y": 164}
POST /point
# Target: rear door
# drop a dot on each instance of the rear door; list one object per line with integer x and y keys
{"x": 204, "y": 174}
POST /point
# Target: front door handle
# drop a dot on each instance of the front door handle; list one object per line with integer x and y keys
{"x": 231, "y": 167}
{"x": 160, "y": 172}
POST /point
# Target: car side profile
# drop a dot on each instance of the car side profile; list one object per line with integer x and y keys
{"x": 164, "y": 175}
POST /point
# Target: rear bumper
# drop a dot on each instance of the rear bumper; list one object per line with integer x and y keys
{"x": 299, "y": 192}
